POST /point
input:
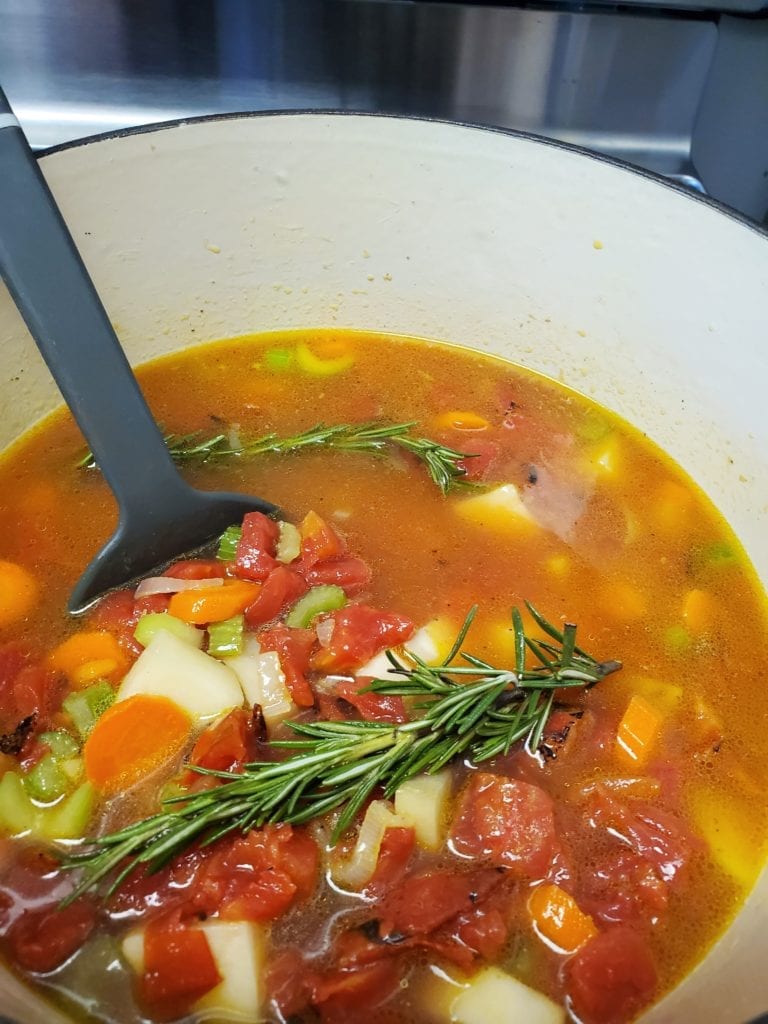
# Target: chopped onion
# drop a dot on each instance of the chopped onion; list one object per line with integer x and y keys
{"x": 170, "y": 585}
{"x": 324, "y": 630}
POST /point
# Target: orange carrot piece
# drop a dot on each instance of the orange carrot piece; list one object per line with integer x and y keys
{"x": 213, "y": 604}
{"x": 637, "y": 731}
{"x": 622, "y": 601}
{"x": 670, "y": 506}
{"x": 698, "y": 611}
{"x": 459, "y": 419}
{"x": 18, "y": 593}
{"x": 98, "y": 649}
{"x": 132, "y": 739}
{"x": 558, "y": 919}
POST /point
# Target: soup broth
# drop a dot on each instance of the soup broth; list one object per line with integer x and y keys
{"x": 619, "y": 841}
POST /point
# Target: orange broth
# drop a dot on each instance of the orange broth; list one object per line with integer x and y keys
{"x": 617, "y": 539}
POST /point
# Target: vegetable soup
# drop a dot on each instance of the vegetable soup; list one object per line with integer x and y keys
{"x": 468, "y": 735}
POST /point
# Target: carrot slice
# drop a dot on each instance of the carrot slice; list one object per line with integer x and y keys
{"x": 88, "y": 656}
{"x": 637, "y": 731}
{"x": 18, "y": 593}
{"x": 459, "y": 419}
{"x": 132, "y": 739}
{"x": 214, "y": 604}
{"x": 558, "y": 919}
{"x": 699, "y": 611}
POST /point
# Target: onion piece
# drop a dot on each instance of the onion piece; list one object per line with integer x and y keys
{"x": 171, "y": 585}
{"x": 324, "y": 631}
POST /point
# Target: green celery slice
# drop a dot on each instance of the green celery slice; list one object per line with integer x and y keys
{"x": 17, "y": 812}
{"x": 225, "y": 639}
{"x": 150, "y": 625}
{"x": 46, "y": 781}
{"x": 85, "y": 706}
{"x": 62, "y": 744}
{"x": 279, "y": 360}
{"x": 228, "y": 544}
{"x": 315, "y": 602}
{"x": 69, "y": 819}
{"x": 288, "y": 543}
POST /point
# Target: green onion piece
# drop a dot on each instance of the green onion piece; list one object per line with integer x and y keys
{"x": 288, "y": 543}
{"x": 69, "y": 819}
{"x": 225, "y": 639}
{"x": 315, "y": 602}
{"x": 150, "y": 625}
{"x": 279, "y": 360}
{"x": 46, "y": 781}
{"x": 85, "y": 706}
{"x": 17, "y": 812}
{"x": 228, "y": 544}
{"x": 62, "y": 744}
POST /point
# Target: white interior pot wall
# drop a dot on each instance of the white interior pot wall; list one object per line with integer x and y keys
{"x": 650, "y": 301}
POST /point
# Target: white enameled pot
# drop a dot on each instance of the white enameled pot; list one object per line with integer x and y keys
{"x": 641, "y": 295}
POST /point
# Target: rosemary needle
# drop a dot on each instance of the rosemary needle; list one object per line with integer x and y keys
{"x": 441, "y": 462}
{"x": 467, "y": 708}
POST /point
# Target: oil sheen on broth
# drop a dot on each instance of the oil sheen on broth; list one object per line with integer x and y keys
{"x": 601, "y": 529}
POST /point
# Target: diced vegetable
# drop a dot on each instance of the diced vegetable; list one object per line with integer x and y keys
{"x": 199, "y": 607}
{"x": 431, "y": 643}
{"x": 86, "y": 706}
{"x": 239, "y": 949}
{"x": 722, "y": 827}
{"x": 717, "y": 555}
{"x": 87, "y": 656}
{"x": 288, "y": 543}
{"x": 670, "y": 506}
{"x": 461, "y": 420}
{"x": 69, "y": 818}
{"x": 279, "y": 360}
{"x": 593, "y": 425}
{"x": 501, "y": 509}
{"x": 638, "y": 730}
{"x": 495, "y": 997}
{"x": 699, "y": 611}
{"x": 155, "y": 622}
{"x": 62, "y": 744}
{"x": 558, "y": 919}
{"x": 607, "y": 457}
{"x": 263, "y": 682}
{"x": 72, "y": 767}
{"x": 133, "y": 738}
{"x": 225, "y": 639}
{"x": 46, "y": 781}
{"x": 422, "y": 802}
{"x": 622, "y": 601}
{"x": 17, "y": 812}
{"x": 228, "y": 543}
{"x": 315, "y": 602}
{"x": 169, "y": 667}
{"x": 316, "y": 366}
{"x": 356, "y": 870}
{"x": 19, "y": 593}
{"x": 663, "y": 696}
{"x": 677, "y": 639}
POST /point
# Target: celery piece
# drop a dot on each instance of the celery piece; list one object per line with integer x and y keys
{"x": 279, "y": 360}
{"x": 317, "y": 367}
{"x": 677, "y": 639}
{"x": 288, "y": 543}
{"x": 69, "y": 818}
{"x": 225, "y": 639}
{"x": 17, "y": 812}
{"x": 46, "y": 781}
{"x": 718, "y": 554}
{"x": 62, "y": 744}
{"x": 72, "y": 768}
{"x": 85, "y": 706}
{"x": 315, "y": 602}
{"x": 228, "y": 542}
{"x": 151, "y": 624}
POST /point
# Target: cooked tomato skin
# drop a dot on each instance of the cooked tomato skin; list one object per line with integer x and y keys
{"x": 359, "y": 632}
{"x": 42, "y": 939}
{"x": 395, "y": 853}
{"x": 423, "y": 902}
{"x": 224, "y": 747}
{"x": 507, "y": 822}
{"x": 196, "y": 569}
{"x": 611, "y": 977}
{"x": 281, "y": 589}
{"x": 293, "y": 647}
{"x": 350, "y": 573}
{"x": 374, "y": 707}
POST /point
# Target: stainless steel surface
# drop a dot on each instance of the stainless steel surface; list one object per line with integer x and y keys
{"x": 623, "y": 84}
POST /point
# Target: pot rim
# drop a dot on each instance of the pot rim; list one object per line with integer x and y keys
{"x": 157, "y": 126}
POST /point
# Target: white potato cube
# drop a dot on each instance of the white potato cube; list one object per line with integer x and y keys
{"x": 263, "y": 682}
{"x": 501, "y": 509}
{"x": 494, "y": 997}
{"x": 239, "y": 949}
{"x": 169, "y": 667}
{"x": 423, "y": 802}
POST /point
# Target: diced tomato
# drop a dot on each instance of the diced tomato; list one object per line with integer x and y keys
{"x": 225, "y": 746}
{"x": 348, "y": 572}
{"x": 374, "y": 707}
{"x": 119, "y": 613}
{"x": 26, "y": 688}
{"x": 508, "y": 822}
{"x": 281, "y": 588}
{"x": 611, "y": 977}
{"x": 483, "y": 930}
{"x": 178, "y": 969}
{"x": 350, "y": 995}
{"x": 42, "y": 939}
{"x": 263, "y": 898}
{"x": 255, "y": 558}
{"x": 623, "y": 887}
{"x": 395, "y": 852}
{"x": 359, "y": 632}
{"x": 196, "y": 569}
{"x": 293, "y": 647}
{"x": 286, "y": 981}
{"x": 425, "y": 901}
{"x": 484, "y": 451}
{"x": 319, "y": 541}
{"x": 13, "y": 658}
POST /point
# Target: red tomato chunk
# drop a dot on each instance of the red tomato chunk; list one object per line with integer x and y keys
{"x": 611, "y": 977}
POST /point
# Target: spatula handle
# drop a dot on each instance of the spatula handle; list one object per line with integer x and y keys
{"x": 45, "y": 274}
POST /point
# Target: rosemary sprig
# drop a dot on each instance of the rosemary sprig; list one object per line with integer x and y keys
{"x": 440, "y": 461}
{"x": 467, "y": 707}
